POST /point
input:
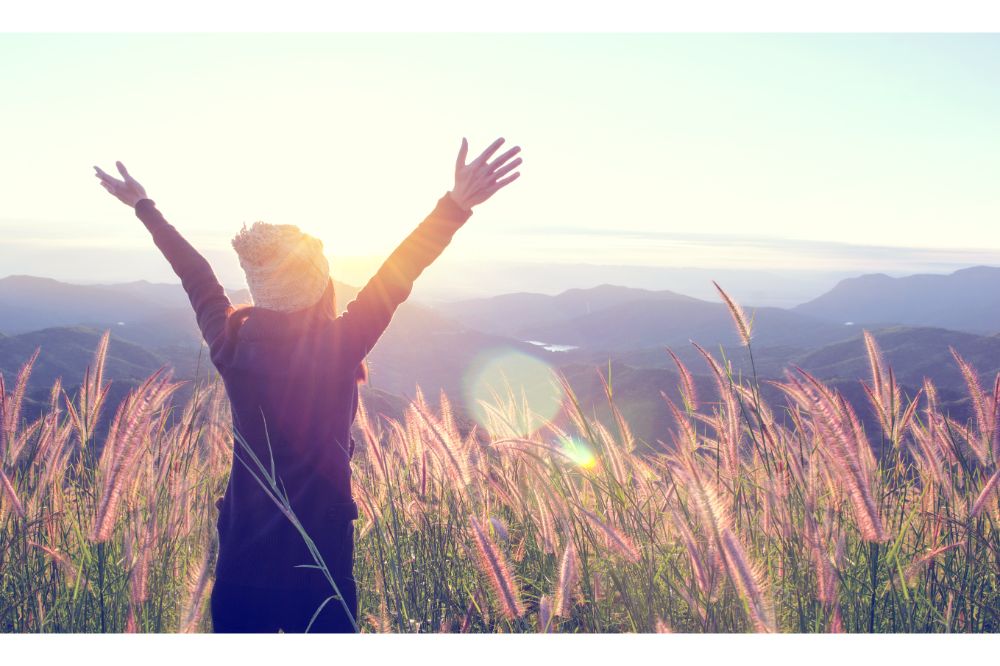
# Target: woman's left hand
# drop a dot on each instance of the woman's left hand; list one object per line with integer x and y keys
{"x": 480, "y": 179}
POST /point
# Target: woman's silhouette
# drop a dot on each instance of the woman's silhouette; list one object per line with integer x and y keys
{"x": 291, "y": 369}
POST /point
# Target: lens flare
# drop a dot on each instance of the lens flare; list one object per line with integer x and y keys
{"x": 511, "y": 393}
{"x": 578, "y": 452}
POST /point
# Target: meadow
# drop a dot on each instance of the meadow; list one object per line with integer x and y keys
{"x": 745, "y": 517}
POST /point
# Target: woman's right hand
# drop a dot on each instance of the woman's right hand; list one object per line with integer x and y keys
{"x": 128, "y": 191}
{"x": 480, "y": 179}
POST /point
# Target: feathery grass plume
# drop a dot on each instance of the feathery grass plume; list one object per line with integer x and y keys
{"x": 494, "y": 565}
{"x": 911, "y": 409}
{"x": 546, "y": 526}
{"x": 130, "y": 430}
{"x": 613, "y": 539}
{"x": 624, "y": 432}
{"x": 11, "y": 408}
{"x": 545, "y": 615}
{"x": 924, "y": 449}
{"x": 556, "y": 502}
{"x": 499, "y": 528}
{"x": 716, "y": 517}
{"x": 58, "y": 450}
{"x": 836, "y": 622}
{"x": 448, "y": 417}
{"x": 574, "y": 409}
{"x": 984, "y": 497}
{"x": 569, "y": 577}
{"x": 61, "y": 560}
{"x": 452, "y": 457}
{"x": 713, "y": 513}
{"x": 662, "y": 627}
{"x": 21, "y": 437}
{"x": 685, "y": 433}
{"x": 984, "y": 411}
{"x": 720, "y": 376}
{"x": 11, "y": 496}
{"x": 876, "y": 364}
{"x": 611, "y": 453}
{"x": 700, "y": 564}
{"x": 95, "y": 384}
{"x": 92, "y": 394}
{"x": 743, "y": 326}
{"x": 727, "y": 422}
{"x": 199, "y": 584}
{"x": 915, "y": 567}
{"x": 49, "y": 424}
{"x": 826, "y": 577}
{"x": 139, "y": 542}
{"x": 373, "y": 445}
{"x": 521, "y": 550}
{"x": 995, "y": 448}
{"x": 842, "y": 450}
{"x": 852, "y": 424}
{"x": 748, "y": 581}
{"x": 689, "y": 391}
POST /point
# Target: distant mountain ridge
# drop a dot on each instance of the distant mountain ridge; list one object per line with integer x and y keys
{"x": 615, "y": 318}
{"x": 146, "y": 313}
{"x": 511, "y": 314}
{"x": 966, "y": 300}
{"x": 438, "y": 347}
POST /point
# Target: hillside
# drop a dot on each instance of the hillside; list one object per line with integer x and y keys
{"x": 638, "y": 324}
{"x": 966, "y": 300}
{"x": 440, "y": 348}
{"x": 610, "y": 318}
{"x": 510, "y": 314}
{"x": 148, "y": 314}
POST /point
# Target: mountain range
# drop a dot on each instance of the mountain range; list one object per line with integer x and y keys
{"x": 917, "y": 321}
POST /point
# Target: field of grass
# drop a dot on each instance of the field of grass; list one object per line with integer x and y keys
{"x": 746, "y": 517}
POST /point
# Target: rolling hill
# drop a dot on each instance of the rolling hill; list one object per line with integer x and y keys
{"x": 966, "y": 300}
{"x": 609, "y": 318}
{"x": 438, "y": 347}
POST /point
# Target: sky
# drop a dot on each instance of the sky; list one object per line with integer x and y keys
{"x": 832, "y": 152}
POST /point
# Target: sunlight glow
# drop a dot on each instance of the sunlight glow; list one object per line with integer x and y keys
{"x": 508, "y": 391}
{"x": 578, "y": 452}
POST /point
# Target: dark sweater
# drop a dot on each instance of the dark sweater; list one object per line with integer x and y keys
{"x": 290, "y": 378}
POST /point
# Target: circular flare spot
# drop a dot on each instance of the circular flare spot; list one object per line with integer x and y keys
{"x": 578, "y": 452}
{"x": 511, "y": 393}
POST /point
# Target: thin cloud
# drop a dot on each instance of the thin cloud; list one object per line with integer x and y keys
{"x": 833, "y": 252}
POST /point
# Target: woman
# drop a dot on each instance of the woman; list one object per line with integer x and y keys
{"x": 291, "y": 369}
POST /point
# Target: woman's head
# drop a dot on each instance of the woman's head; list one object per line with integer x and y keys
{"x": 285, "y": 268}
{"x": 286, "y": 271}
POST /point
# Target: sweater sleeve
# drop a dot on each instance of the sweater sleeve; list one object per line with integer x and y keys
{"x": 368, "y": 315}
{"x": 208, "y": 298}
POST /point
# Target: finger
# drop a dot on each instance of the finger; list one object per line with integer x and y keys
{"x": 503, "y": 158}
{"x": 488, "y": 152}
{"x": 507, "y": 168}
{"x": 100, "y": 174}
{"x": 500, "y": 184}
{"x": 108, "y": 180}
{"x": 124, "y": 172}
{"x": 463, "y": 152}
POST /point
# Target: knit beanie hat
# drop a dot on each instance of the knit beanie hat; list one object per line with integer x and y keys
{"x": 285, "y": 268}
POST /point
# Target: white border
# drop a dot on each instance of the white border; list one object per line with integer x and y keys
{"x": 502, "y": 15}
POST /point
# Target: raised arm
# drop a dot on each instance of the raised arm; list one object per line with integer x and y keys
{"x": 208, "y": 298}
{"x": 368, "y": 315}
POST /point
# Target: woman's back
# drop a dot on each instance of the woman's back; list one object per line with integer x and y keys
{"x": 293, "y": 397}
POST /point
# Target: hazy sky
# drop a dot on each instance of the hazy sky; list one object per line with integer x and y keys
{"x": 673, "y": 150}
